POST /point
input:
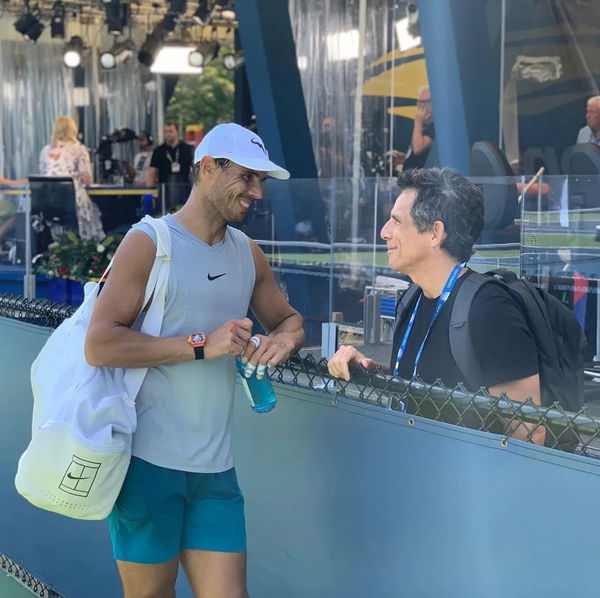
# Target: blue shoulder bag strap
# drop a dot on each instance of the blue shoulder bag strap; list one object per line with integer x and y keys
{"x": 461, "y": 343}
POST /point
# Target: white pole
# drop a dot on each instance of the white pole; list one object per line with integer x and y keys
{"x": 160, "y": 106}
{"x": 501, "y": 94}
{"x": 392, "y": 92}
{"x": 358, "y": 101}
{"x": 96, "y": 92}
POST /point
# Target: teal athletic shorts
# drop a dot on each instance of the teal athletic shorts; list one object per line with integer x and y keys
{"x": 162, "y": 511}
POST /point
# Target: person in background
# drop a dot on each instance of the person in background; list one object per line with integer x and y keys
{"x": 433, "y": 225}
{"x": 66, "y": 156}
{"x": 332, "y": 163}
{"x": 170, "y": 165}
{"x": 591, "y": 132}
{"x": 180, "y": 502}
{"x": 423, "y": 132}
{"x": 141, "y": 161}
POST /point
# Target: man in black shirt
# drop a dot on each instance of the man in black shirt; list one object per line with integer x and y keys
{"x": 423, "y": 132}
{"x": 430, "y": 235}
{"x": 171, "y": 164}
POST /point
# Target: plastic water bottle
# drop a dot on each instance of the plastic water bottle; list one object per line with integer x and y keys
{"x": 260, "y": 393}
{"x": 148, "y": 203}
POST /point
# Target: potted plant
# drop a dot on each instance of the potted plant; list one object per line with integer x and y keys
{"x": 70, "y": 262}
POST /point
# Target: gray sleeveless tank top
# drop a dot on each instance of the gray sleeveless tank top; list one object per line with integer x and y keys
{"x": 184, "y": 409}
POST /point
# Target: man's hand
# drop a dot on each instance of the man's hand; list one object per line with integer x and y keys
{"x": 339, "y": 364}
{"x": 266, "y": 351}
{"x": 229, "y": 339}
{"x": 422, "y": 114}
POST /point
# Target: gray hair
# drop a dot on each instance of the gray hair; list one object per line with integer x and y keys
{"x": 446, "y": 195}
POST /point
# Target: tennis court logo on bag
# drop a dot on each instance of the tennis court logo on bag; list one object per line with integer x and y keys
{"x": 79, "y": 477}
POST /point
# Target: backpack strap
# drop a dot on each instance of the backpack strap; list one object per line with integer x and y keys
{"x": 461, "y": 344}
{"x": 405, "y": 304}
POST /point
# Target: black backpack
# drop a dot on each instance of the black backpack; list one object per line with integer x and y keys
{"x": 560, "y": 341}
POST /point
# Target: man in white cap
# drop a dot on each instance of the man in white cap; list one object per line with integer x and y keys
{"x": 180, "y": 502}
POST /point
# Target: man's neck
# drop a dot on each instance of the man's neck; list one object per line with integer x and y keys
{"x": 196, "y": 219}
{"x": 173, "y": 143}
{"x": 432, "y": 277}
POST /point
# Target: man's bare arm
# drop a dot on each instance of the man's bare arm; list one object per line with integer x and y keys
{"x": 282, "y": 322}
{"x": 419, "y": 141}
{"x": 520, "y": 390}
{"x": 151, "y": 176}
{"x": 111, "y": 342}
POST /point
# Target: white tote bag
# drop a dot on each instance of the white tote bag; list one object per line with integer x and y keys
{"x": 84, "y": 417}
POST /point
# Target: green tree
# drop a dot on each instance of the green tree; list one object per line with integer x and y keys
{"x": 205, "y": 99}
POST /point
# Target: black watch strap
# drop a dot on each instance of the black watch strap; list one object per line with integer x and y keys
{"x": 199, "y": 352}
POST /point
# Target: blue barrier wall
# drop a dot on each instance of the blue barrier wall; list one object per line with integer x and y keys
{"x": 345, "y": 500}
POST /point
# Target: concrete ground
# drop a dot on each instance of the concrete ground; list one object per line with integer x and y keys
{"x": 11, "y": 588}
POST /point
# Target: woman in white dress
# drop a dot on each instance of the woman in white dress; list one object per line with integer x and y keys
{"x": 65, "y": 156}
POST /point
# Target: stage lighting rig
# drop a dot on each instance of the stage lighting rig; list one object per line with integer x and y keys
{"x": 29, "y": 24}
{"x": 150, "y": 47}
{"x": 204, "y": 53}
{"x": 228, "y": 11}
{"x": 414, "y": 25}
{"x": 169, "y": 22}
{"x": 203, "y": 13}
{"x": 74, "y": 52}
{"x": 117, "y": 16}
{"x": 57, "y": 20}
{"x": 119, "y": 53}
{"x": 177, "y": 7}
{"x": 233, "y": 61}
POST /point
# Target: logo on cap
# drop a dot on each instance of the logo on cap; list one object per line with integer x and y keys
{"x": 257, "y": 142}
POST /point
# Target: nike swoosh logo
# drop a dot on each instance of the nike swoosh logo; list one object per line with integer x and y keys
{"x": 217, "y": 276}
{"x": 71, "y": 477}
{"x": 257, "y": 142}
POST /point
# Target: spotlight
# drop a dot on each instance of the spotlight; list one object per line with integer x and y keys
{"x": 150, "y": 47}
{"x": 204, "y": 53}
{"x": 73, "y": 52}
{"x": 29, "y": 25}
{"x": 177, "y": 7}
{"x": 57, "y": 20}
{"x": 233, "y": 61}
{"x": 227, "y": 11}
{"x": 169, "y": 22}
{"x": 173, "y": 59}
{"x": 412, "y": 13}
{"x": 202, "y": 15}
{"x": 117, "y": 16}
{"x": 118, "y": 54}
{"x": 196, "y": 58}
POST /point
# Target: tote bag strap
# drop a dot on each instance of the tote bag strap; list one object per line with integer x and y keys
{"x": 156, "y": 289}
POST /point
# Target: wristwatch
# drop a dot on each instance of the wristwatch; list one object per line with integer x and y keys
{"x": 197, "y": 340}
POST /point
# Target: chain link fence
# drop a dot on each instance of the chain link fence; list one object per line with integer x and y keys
{"x": 552, "y": 426}
{"x": 29, "y": 581}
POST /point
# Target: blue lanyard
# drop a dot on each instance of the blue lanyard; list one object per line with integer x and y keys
{"x": 438, "y": 308}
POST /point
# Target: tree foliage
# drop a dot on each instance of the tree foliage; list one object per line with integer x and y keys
{"x": 205, "y": 99}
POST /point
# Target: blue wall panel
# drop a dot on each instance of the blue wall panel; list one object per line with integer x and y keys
{"x": 352, "y": 501}
{"x": 346, "y": 500}
{"x": 462, "y": 51}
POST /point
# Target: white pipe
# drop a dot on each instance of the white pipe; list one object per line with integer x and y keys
{"x": 501, "y": 94}
{"x": 96, "y": 93}
{"x": 358, "y": 102}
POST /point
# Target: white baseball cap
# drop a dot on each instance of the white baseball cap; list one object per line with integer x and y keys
{"x": 241, "y": 146}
